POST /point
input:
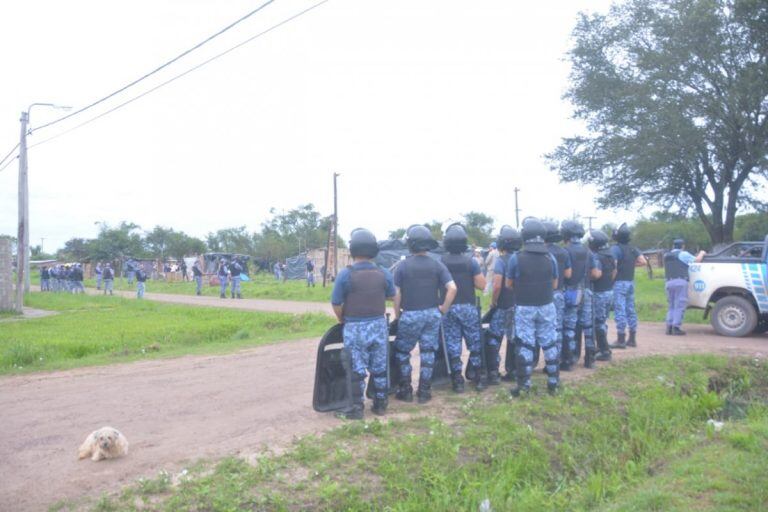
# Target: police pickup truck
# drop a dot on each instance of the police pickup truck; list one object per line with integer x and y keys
{"x": 732, "y": 285}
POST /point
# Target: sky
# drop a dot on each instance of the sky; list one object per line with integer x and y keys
{"x": 426, "y": 109}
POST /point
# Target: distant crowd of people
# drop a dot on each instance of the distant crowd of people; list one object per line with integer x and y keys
{"x": 62, "y": 278}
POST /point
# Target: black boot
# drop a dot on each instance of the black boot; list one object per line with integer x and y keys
{"x": 579, "y": 337}
{"x": 552, "y": 389}
{"x": 565, "y": 357}
{"x": 380, "y": 406}
{"x": 481, "y": 382}
{"x": 632, "y": 341}
{"x": 471, "y": 372}
{"x": 621, "y": 342}
{"x": 424, "y": 394}
{"x": 457, "y": 382}
{"x": 222, "y": 296}
{"x": 676, "y": 331}
{"x": 589, "y": 358}
{"x": 355, "y": 411}
{"x": 493, "y": 378}
{"x": 669, "y": 329}
{"x": 604, "y": 353}
{"x": 405, "y": 390}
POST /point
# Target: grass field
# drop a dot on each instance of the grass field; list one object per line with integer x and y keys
{"x": 90, "y": 330}
{"x": 631, "y": 437}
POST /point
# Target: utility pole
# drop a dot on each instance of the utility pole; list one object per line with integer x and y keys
{"x": 335, "y": 228}
{"x": 589, "y": 219}
{"x": 42, "y": 247}
{"x": 22, "y": 246}
{"x": 517, "y": 210}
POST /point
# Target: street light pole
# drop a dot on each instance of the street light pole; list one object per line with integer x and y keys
{"x": 22, "y": 249}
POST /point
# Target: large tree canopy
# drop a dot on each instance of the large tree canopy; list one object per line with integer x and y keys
{"x": 675, "y": 99}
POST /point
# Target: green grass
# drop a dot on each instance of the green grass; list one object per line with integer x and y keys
{"x": 261, "y": 286}
{"x": 90, "y": 330}
{"x": 632, "y": 437}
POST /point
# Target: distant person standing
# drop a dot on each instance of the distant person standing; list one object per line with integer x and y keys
{"x": 77, "y": 279}
{"x": 197, "y": 273}
{"x": 98, "y": 272}
{"x": 602, "y": 291}
{"x": 283, "y": 274}
{"x": 310, "y": 273}
{"x": 223, "y": 274}
{"x": 141, "y": 279}
{"x": 45, "y": 279}
{"x": 676, "y": 264}
{"x": 183, "y": 270}
{"x": 235, "y": 269}
{"x": 626, "y": 256}
{"x": 109, "y": 278}
{"x": 490, "y": 265}
{"x": 130, "y": 270}
{"x": 276, "y": 270}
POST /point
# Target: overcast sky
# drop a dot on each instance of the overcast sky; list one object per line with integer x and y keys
{"x": 428, "y": 109}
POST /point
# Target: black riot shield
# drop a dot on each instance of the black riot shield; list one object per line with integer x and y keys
{"x": 485, "y": 321}
{"x": 441, "y": 373}
{"x": 333, "y": 384}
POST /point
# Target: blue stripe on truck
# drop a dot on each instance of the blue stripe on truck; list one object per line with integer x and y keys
{"x": 756, "y": 279}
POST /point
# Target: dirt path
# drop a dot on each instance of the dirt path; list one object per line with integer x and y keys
{"x": 276, "y": 306}
{"x": 174, "y": 411}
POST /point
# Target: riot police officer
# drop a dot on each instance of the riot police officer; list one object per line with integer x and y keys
{"x": 223, "y": 274}
{"x": 676, "y": 272}
{"x": 463, "y": 318}
{"x": 626, "y": 256}
{"x": 578, "y": 296}
{"x": 602, "y": 291}
{"x": 359, "y": 301}
{"x": 503, "y": 301}
{"x": 563, "y": 259}
{"x": 418, "y": 279}
{"x": 532, "y": 274}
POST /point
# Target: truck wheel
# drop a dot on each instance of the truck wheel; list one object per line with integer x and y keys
{"x": 734, "y": 316}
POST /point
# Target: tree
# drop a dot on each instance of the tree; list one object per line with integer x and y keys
{"x": 752, "y": 226}
{"x": 231, "y": 240}
{"x": 164, "y": 242}
{"x": 479, "y": 228}
{"x": 117, "y": 243}
{"x": 75, "y": 249}
{"x": 396, "y": 234}
{"x": 297, "y": 230}
{"x": 662, "y": 228}
{"x": 675, "y": 98}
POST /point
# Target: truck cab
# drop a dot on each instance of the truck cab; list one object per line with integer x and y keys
{"x": 731, "y": 286}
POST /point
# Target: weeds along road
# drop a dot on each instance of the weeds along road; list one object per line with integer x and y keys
{"x": 174, "y": 411}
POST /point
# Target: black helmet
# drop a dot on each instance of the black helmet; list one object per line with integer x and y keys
{"x": 509, "y": 239}
{"x": 678, "y": 243}
{"x": 597, "y": 239}
{"x": 363, "y": 243}
{"x": 455, "y": 239}
{"x": 534, "y": 233}
{"x": 533, "y": 228}
{"x": 419, "y": 238}
{"x": 571, "y": 229}
{"x": 553, "y": 232}
{"x": 622, "y": 234}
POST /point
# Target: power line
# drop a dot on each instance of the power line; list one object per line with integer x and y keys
{"x": 10, "y": 153}
{"x": 173, "y": 79}
{"x": 8, "y": 163}
{"x": 187, "y": 52}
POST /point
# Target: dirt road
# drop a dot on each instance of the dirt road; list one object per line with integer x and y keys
{"x": 176, "y": 410}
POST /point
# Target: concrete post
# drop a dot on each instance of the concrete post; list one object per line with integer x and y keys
{"x": 6, "y": 276}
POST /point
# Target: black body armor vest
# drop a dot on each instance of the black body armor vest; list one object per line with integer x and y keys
{"x": 578, "y": 265}
{"x": 533, "y": 287}
{"x": 367, "y": 293}
{"x": 626, "y": 265}
{"x": 560, "y": 255}
{"x": 673, "y": 267}
{"x": 507, "y": 295}
{"x": 421, "y": 282}
{"x": 460, "y": 267}
{"x": 608, "y": 263}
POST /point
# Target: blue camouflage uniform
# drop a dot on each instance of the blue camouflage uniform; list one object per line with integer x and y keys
{"x": 624, "y": 287}
{"x": 421, "y": 319}
{"x": 563, "y": 260}
{"x": 235, "y": 270}
{"x": 141, "y": 279}
{"x": 198, "y": 275}
{"x": 603, "y": 293}
{"x": 463, "y": 321}
{"x": 534, "y": 321}
{"x": 581, "y": 313}
{"x": 223, "y": 280}
{"x": 503, "y": 320}
{"x": 365, "y": 337}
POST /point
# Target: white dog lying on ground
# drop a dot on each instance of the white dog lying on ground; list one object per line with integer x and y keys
{"x": 105, "y": 443}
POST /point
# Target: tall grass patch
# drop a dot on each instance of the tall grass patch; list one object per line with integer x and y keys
{"x": 98, "y": 330}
